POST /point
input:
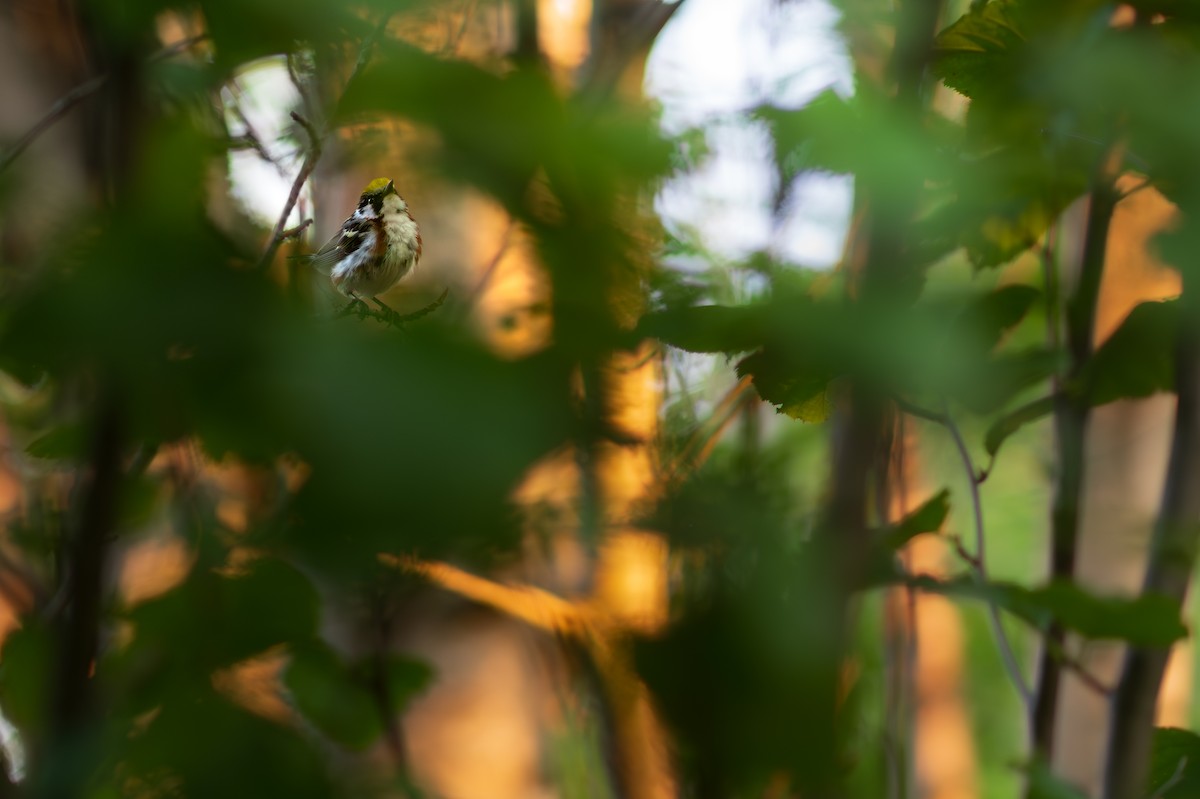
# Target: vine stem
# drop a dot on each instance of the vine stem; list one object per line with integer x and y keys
{"x": 978, "y": 563}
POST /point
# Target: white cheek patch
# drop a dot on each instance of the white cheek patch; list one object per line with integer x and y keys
{"x": 394, "y": 204}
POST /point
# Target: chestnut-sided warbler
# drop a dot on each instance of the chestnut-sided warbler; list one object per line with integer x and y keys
{"x": 377, "y": 246}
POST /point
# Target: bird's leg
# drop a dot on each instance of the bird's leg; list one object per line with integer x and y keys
{"x": 355, "y": 306}
{"x": 388, "y": 312}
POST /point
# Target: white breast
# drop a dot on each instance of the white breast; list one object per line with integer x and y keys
{"x": 402, "y": 233}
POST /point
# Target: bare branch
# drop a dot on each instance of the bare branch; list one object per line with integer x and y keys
{"x": 310, "y": 163}
{"x": 316, "y": 140}
{"x": 78, "y": 95}
{"x": 251, "y": 135}
{"x": 1076, "y": 667}
{"x": 294, "y": 232}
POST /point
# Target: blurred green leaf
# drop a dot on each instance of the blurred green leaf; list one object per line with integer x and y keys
{"x": 243, "y": 32}
{"x": 1174, "y": 760}
{"x": 197, "y": 743}
{"x": 796, "y": 383}
{"x": 404, "y": 677}
{"x": 26, "y": 669}
{"x": 928, "y": 518}
{"x": 1137, "y": 360}
{"x": 497, "y": 131}
{"x": 320, "y": 684}
{"x": 989, "y": 317}
{"x": 706, "y": 328}
{"x": 66, "y": 442}
{"x": 1002, "y": 202}
{"x": 1148, "y": 620}
{"x": 746, "y": 679}
{"x": 882, "y": 566}
{"x": 261, "y": 605}
{"x": 1044, "y": 784}
{"x": 1013, "y": 421}
{"x": 864, "y": 135}
{"x": 987, "y": 386}
{"x": 385, "y": 425}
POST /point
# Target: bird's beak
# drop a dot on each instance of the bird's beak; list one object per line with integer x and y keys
{"x": 391, "y": 188}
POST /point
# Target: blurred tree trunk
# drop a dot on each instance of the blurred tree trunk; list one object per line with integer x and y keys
{"x": 1127, "y": 450}
{"x": 932, "y": 739}
{"x": 39, "y": 62}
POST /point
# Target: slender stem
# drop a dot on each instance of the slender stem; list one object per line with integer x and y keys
{"x": 1050, "y": 277}
{"x": 1071, "y": 414}
{"x": 79, "y": 631}
{"x": 381, "y": 635}
{"x": 310, "y": 163}
{"x": 978, "y": 563}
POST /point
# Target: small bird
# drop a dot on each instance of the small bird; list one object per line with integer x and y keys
{"x": 377, "y": 246}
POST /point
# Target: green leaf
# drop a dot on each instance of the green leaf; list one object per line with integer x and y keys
{"x": 795, "y": 384}
{"x": 988, "y": 317}
{"x": 404, "y": 677}
{"x": 26, "y": 668}
{"x": 863, "y": 135}
{"x": 971, "y": 54}
{"x": 280, "y": 595}
{"x": 65, "y": 442}
{"x": 706, "y": 328}
{"x": 988, "y": 386}
{"x": 882, "y": 567}
{"x": 1013, "y": 421}
{"x": 267, "y": 603}
{"x": 192, "y": 728}
{"x": 324, "y": 691}
{"x": 928, "y": 518}
{"x": 1044, "y": 784}
{"x": 1004, "y": 199}
{"x": 1172, "y": 746}
{"x": 1137, "y": 360}
{"x": 498, "y": 130}
{"x": 1149, "y": 620}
